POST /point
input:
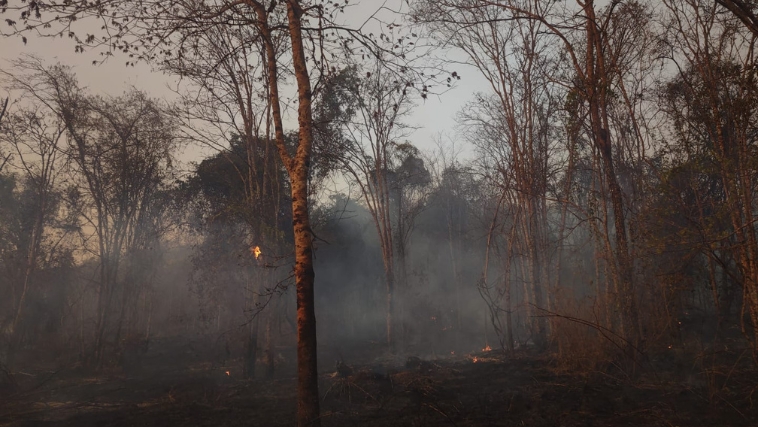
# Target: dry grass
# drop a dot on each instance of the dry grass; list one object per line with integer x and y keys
{"x": 583, "y": 341}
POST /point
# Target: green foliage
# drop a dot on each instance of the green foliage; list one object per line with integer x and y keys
{"x": 244, "y": 184}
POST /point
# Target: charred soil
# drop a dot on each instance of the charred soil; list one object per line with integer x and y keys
{"x": 172, "y": 386}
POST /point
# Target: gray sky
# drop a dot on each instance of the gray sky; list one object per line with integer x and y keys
{"x": 434, "y": 117}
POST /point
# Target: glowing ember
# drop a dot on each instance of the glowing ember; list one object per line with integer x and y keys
{"x": 474, "y": 359}
{"x": 228, "y": 374}
{"x": 488, "y": 348}
{"x": 256, "y": 251}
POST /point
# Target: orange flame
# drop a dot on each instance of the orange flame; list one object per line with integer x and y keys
{"x": 474, "y": 359}
{"x": 256, "y": 251}
{"x": 488, "y": 348}
{"x": 228, "y": 374}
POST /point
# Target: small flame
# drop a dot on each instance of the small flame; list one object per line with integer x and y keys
{"x": 474, "y": 359}
{"x": 256, "y": 251}
{"x": 228, "y": 374}
{"x": 488, "y": 348}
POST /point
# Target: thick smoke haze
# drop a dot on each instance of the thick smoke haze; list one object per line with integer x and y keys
{"x": 409, "y": 213}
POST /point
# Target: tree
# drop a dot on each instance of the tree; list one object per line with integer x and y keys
{"x": 711, "y": 107}
{"x": 151, "y": 31}
{"x": 454, "y": 197}
{"x": 233, "y": 223}
{"x": 513, "y": 130}
{"x": 224, "y": 95}
{"x": 121, "y": 148}
{"x": 35, "y": 137}
{"x": 364, "y": 115}
{"x": 412, "y": 185}
{"x": 585, "y": 37}
{"x": 744, "y": 10}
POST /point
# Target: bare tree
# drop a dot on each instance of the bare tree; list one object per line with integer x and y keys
{"x": 35, "y": 137}
{"x": 583, "y": 34}
{"x": 152, "y": 31}
{"x": 710, "y": 104}
{"x": 121, "y": 148}
{"x": 369, "y": 130}
{"x": 744, "y": 10}
{"x": 227, "y": 94}
{"x": 34, "y": 134}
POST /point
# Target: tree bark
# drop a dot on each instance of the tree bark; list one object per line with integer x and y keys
{"x": 308, "y": 398}
{"x": 298, "y": 168}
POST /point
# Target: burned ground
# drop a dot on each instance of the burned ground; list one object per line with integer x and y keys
{"x": 176, "y": 385}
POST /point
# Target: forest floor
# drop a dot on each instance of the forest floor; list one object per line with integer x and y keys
{"x": 480, "y": 389}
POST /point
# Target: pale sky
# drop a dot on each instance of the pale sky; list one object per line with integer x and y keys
{"x": 433, "y": 117}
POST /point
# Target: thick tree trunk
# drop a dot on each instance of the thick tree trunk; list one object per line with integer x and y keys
{"x": 308, "y": 399}
{"x": 298, "y": 171}
{"x": 307, "y": 367}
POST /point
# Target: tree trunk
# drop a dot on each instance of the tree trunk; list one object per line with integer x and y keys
{"x": 508, "y": 310}
{"x": 307, "y": 367}
{"x": 390, "y": 283}
{"x": 103, "y": 309}
{"x": 269, "y": 346}
{"x": 539, "y": 322}
{"x": 308, "y": 399}
{"x": 251, "y": 350}
{"x": 251, "y": 343}
{"x": 402, "y": 283}
{"x": 596, "y": 87}
{"x": 31, "y": 261}
{"x": 298, "y": 171}
{"x": 455, "y": 253}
